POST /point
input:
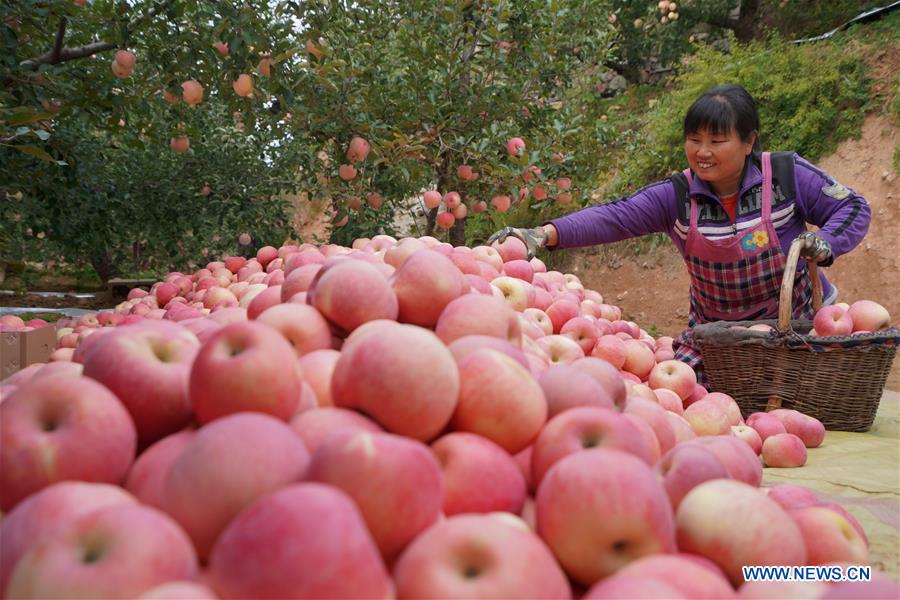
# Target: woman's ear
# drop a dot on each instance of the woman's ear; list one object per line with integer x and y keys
{"x": 751, "y": 142}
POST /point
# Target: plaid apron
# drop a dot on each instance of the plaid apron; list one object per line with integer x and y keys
{"x": 738, "y": 278}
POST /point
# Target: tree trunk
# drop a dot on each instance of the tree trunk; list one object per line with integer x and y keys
{"x": 745, "y": 27}
{"x": 102, "y": 263}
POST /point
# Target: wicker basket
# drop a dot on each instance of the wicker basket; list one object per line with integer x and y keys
{"x": 838, "y": 380}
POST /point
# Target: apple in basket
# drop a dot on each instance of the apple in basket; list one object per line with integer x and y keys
{"x": 833, "y": 320}
{"x": 868, "y": 316}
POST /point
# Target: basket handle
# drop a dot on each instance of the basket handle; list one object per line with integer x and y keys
{"x": 785, "y": 308}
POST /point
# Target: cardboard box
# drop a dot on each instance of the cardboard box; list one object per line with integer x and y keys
{"x": 20, "y": 349}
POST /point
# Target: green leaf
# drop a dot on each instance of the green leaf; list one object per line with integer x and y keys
{"x": 34, "y": 151}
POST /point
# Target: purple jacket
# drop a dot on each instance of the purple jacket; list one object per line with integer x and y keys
{"x": 842, "y": 215}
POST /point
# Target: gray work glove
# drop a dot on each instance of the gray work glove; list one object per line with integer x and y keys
{"x": 815, "y": 248}
{"x": 534, "y": 238}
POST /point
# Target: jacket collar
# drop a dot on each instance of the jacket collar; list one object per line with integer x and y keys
{"x": 752, "y": 177}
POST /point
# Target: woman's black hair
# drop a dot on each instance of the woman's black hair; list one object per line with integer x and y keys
{"x": 722, "y": 110}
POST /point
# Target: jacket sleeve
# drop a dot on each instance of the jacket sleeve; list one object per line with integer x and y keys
{"x": 842, "y": 215}
{"x": 650, "y": 210}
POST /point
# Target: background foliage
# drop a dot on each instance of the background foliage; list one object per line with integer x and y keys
{"x": 87, "y": 177}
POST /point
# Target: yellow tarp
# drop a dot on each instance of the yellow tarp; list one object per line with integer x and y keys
{"x": 861, "y": 472}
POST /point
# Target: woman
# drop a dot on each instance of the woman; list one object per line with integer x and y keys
{"x": 733, "y": 215}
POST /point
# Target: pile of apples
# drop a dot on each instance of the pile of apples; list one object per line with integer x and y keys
{"x": 13, "y": 323}
{"x": 400, "y": 418}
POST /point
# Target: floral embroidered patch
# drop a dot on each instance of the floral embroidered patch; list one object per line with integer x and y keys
{"x": 755, "y": 239}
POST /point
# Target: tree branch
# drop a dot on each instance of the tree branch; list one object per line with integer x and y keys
{"x": 59, "y": 54}
{"x": 60, "y": 34}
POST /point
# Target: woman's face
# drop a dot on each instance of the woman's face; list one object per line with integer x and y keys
{"x": 718, "y": 159}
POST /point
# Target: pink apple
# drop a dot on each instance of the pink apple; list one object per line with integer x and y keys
{"x": 115, "y": 552}
{"x": 868, "y": 316}
{"x": 686, "y": 466}
{"x": 309, "y": 524}
{"x": 425, "y": 284}
{"x": 728, "y": 405}
{"x": 681, "y": 428}
{"x": 474, "y": 314}
{"x": 147, "y": 368}
{"x": 566, "y": 386}
{"x": 488, "y": 255}
{"x": 478, "y": 475}
{"x": 749, "y": 435}
{"x": 512, "y": 248}
{"x": 315, "y": 426}
{"x": 833, "y": 320}
{"x": 338, "y": 287}
{"x": 465, "y": 345}
{"x": 402, "y": 376}
{"x": 783, "y": 450}
{"x": 386, "y": 475}
{"x": 787, "y": 590}
{"x": 540, "y": 318}
{"x": 765, "y": 425}
{"x": 178, "y": 590}
{"x": 637, "y": 518}
{"x": 583, "y": 428}
{"x": 221, "y": 464}
{"x": 479, "y": 556}
{"x": 318, "y": 367}
{"x": 739, "y": 460}
{"x": 669, "y": 400}
{"x": 734, "y": 524}
{"x": 301, "y": 325}
{"x": 605, "y": 374}
{"x": 809, "y": 429}
{"x": 499, "y": 399}
{"x": 673, "y": 375}
{"x": 560, "y": 349}
{"x": 707, "y": 418}
{"x": 639, "y": 359}
{"x": 792, "y": 496}
{"x": 829, "y": 537}
{"x": 147, "y": 477}
{"x": 631, "y": 586}
{"x": 561, "y": 311}
{"x": 655, "y": 416}
{"x": 689, "y": 575}
{"x": 245, "y": 366}
{"x": 513, "y": 291}
{"x": 42, "y": 513}
{"x": 611, "y": 349}
{"x": 62, "y": 428}
{"x": 583, "y": 331}
{"x": 520, "y": 269}
{"x": 298, "y": 280}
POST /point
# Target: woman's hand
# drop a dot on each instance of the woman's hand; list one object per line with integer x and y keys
{"x": 814, "y": 248}
{"x": 534, "y": 238}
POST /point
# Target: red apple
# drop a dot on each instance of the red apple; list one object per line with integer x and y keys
{"x": 402, "y": 376}
{"x": 338, "y": 287}
{"x": 245, "y": 366}
{"x": 868, "y": 316}
{"x": 147, "y": 477}
{"x": 833, "y": 320}
{"x": 478, "y": 475}
{"x": 636, "y": 516}
{"x": 583, "y": 428}
{"x": 425, "y": 284}
{"x": 385, "y": 475}
{"x": 473, "y": 314}
{"x": 309, "y": 525}
{"x": 734, "y": 525}
{"x": 783, "y": 450}
{"x": 673, "y": 375}
{"x": 300, "y": 324}
{"x": 221, "y": 464}
{"x": 686, "y": 466}
{"x": 479, "y": 556}
{"x": 499, "y": 399}
{"x": 147, "y": 367}
{"x": 566, "y": 387}
{"x": 41, "y": 514}
{"x": 115, "y": 552}
{"x": 62, "y": 428}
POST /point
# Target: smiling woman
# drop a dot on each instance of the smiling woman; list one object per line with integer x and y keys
{"x": 732, "y": 215}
